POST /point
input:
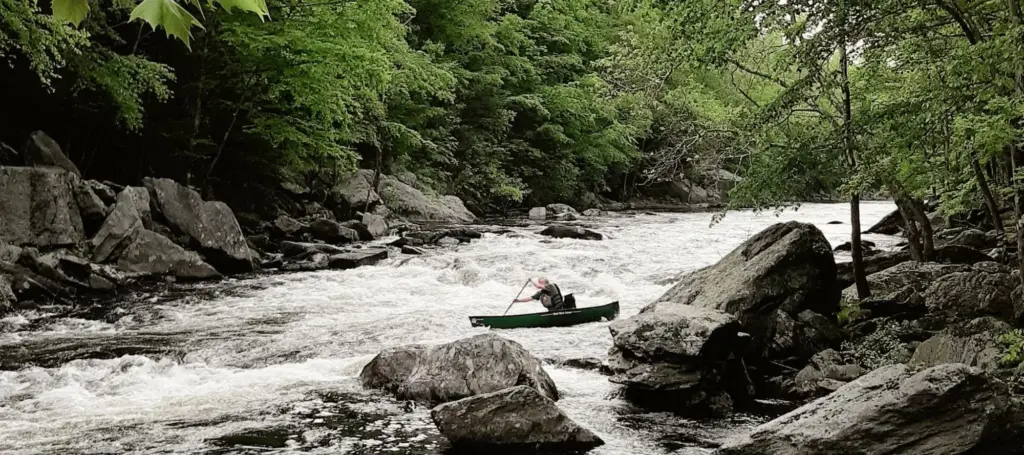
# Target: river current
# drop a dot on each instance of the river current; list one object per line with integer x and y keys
{"x": 269, "y": 364}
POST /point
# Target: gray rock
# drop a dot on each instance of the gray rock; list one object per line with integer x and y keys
{"x": 787, "y": 268}
{"x": 312, "y": 262}
{"x": 571, "y": 232}
{"x": 288, "y": 226}
{"x": 918, "y": 275}
{"x": 516, "y": 417}
{"x": 592, "y": 212}
{"x": 975, "y": 344}
{"x": 890, "y": 224}
{"x": 358, "y": 258}
{"x": 42, "y": 150}
{"x": 362, "y": 232}
{"x": 665, "y": 351}
{"x": 9, "y": 253}
{"x": 104, "y": 191}
{"x": 353, "y": 193}
{"x": 538, "y": 213}
{"x": 985, "y": 289}
{"x": 91, "y": 208}
{"x": 70, "y": 271}
{"x": 376, "y": 225}
{"x": 7, "y": 297}
{"x": 976, "y": 239}
{"x": 139, "y": 197}
{"x": 211, "y": 225}
{"x": 448, "y": 241}
{"x": 292, "y": 250}
{"x": 119, "y": 230}
{"x": 460, "y": 369}
{"x": 332, "y": 231}
{"x": 153, "y": 254}
{"x": 38, "y": 207}
{"x": 406, "y": 249}
{"x": 414, "y": 205}
{"x": 555, "y": 210}
{"x": 945, "y": 410}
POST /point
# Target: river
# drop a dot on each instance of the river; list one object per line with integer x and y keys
{"x": 270, "y": 364}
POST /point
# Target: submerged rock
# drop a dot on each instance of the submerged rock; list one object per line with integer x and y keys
{"x": 38, "y": 207}
{"x": 571, "y": 232}
{"x": 948, "y": 409}
{"x": 210, "y": 224}
{"x": 357, "y": 258}
{"x": 513, "y": 418}
{"x": 301, "y": 250}
{"x": 460, "y": 369}
{"x": 690, "y": 337}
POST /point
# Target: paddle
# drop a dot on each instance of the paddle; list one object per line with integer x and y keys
{"x": 516, "y": 297}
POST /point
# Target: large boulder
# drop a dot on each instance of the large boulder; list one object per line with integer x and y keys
{"x": 375, "y": 225}
{"x": 119, "y": 230}
{"x": 513, "y": 418}
{"x": 538, "y": 213}
{"x": 42, "y": 150}
{"x": 975, "y": 343}
{"x": 155, "y": 255}
{"x": 332, "y": 232}
{"x": 91, "y": 208}
{"x": 560, "y": 210}
{"x": 890, "y": 224}
{"x": 288, "y": 227}
{"x": 949, "y": 409}
{"x": 786, "y": 269}
{"x": 104, "y": 191}
{"x": 984, "y": 290}
{"x": 976, "y": 239}
{"x": 571, "y": 232}
{"x": 460, "y": 369}
{"x": 211, "y": 225}
{"x": 38, "y": 207}
{"x": 354, "y": 193}
{"x": 893, "y": 280}
{"x": 872, "y": 264}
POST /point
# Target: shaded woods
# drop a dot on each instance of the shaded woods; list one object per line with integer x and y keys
{"x": 510, "y": 102}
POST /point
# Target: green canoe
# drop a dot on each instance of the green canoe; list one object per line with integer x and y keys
{"x": 548, "y": 319}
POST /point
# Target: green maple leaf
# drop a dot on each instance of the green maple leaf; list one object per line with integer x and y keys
{"x": 255, "y": 6}
{"x": 73, "y": 11}
{"x": 175, "y": 19}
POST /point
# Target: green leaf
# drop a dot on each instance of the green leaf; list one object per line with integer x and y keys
{"x": 175, "y": 19}
{"x": 73, "y": 11}
{"x": 255, "y": 6}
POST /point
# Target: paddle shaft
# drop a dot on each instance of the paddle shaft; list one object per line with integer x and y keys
{"x": 516, "y": 297}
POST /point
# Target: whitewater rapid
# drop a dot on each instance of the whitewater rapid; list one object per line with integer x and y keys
{"x": 270, "y": 364}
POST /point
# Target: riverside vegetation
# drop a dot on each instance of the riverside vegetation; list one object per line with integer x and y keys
{"x": 321, "y": 124}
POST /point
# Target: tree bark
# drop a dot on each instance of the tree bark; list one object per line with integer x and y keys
{"x": 913, "y": 234}
{"x": 990, "y": 201}
{"x": 857, "y": 251}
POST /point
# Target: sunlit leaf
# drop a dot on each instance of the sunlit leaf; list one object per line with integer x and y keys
{"x": 175, "y": 19}
{"x": 73, "y": 11}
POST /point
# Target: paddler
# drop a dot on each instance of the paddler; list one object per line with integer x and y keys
{"x": 549, "y": 295}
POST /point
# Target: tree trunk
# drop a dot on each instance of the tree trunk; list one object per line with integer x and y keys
{"x": 376, "y": 178}
{"x": 857, "y": 251}
{"x": 990, "y": 201}
{"x": 913, "y": 234}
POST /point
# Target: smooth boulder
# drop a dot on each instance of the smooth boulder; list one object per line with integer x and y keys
{"x": 42, "y": 150}
{"x": 571, "y": 232}
{"x": 891, "y": 224}
{"x": 375, "y": 225}
{"x": 332, "y": 231}
{"x": 949, "y": 409}
{"x": 453, "y": 371}
{"x": 538, "y": 213}
{"x": 210, "y": 224}
{"x": 758, "y": 290}
{"x": 38, "y": 207}
{"x": 153, "y": 254}
{"x": 513, "y": 418}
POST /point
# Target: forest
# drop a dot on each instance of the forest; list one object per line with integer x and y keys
{"x": 516, "y": 102}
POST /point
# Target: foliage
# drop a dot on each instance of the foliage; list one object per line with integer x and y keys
{"x": 1013, "y": 348}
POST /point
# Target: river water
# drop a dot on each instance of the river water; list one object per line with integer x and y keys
{"x": 270, "y": 364}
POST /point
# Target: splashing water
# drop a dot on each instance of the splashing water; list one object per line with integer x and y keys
{"x": 270, "y": 364}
